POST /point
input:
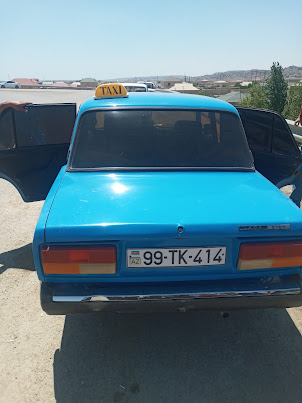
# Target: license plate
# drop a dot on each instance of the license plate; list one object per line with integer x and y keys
{"x": 175, "y": 257}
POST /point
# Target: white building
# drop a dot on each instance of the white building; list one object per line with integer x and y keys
{"x": 186, "y": 88}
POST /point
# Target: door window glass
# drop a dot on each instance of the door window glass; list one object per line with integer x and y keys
{"x": 7, "y": 137}
{"x": 283, "y": 142}
{"x": 258, "y": 128}
{"x": 45, "y": 125}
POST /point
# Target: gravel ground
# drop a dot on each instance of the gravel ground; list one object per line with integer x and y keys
{"x": 193, "y": 357}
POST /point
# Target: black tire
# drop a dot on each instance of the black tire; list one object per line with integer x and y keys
{"x": 16, "y": 86}
{"x": 2, "y": 86}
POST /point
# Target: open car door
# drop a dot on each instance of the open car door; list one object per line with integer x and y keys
{"x": 276, "y": 154}
{"x": 34, "y": 146}
{"x": 275, "y": 151}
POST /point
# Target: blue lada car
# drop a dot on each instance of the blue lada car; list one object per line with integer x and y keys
{"x": 159, "y": 206}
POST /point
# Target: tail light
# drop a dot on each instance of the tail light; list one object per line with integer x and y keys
{"x": 79, "y": 260}
{"x": 269, "y": 255}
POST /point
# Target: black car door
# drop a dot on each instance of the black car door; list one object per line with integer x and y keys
{"x": 34, "y": 146}
{"x": 275, "y": 151}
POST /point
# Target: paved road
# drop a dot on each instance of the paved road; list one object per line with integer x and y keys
{"x": 193, "y": 357}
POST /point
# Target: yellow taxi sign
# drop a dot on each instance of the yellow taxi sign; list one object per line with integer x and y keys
{"x": 112, "y": 90}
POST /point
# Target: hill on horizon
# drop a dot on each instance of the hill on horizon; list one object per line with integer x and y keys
{"x": 250, "y": 75}
{"x": 232, "y": 75}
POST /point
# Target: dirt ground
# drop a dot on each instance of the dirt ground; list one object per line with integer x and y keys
{"x": 193, "y": 357}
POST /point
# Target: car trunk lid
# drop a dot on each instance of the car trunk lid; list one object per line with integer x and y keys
{"x": 94, "y": 206}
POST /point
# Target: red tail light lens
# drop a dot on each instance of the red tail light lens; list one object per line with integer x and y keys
{"x": 79, "y": 260}
{"x": 269, "y": 255}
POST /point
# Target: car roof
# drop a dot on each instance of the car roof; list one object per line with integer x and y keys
{"x": 158, "y": 100}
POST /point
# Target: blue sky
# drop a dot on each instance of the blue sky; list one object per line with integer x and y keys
{"x": 72, "y": 39}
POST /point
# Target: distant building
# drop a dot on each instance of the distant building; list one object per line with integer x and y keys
{"x": 75, "y": 84}
{"x": 290, "y": 80}
{"x": 27, "y": 82}
{"x": 233, "y": 97}
{"x": 89, "y": 82}
{"x": 185, "y": 88}
{"x": 220, "y": 83}
{"x": 60, "y": 84}
{"x": 206, "y": 83}
{"x": 232, "y": 83}
{"x": 169, "y": 82}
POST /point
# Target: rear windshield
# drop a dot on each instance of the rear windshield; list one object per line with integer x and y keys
{"x": 160, "y": 139}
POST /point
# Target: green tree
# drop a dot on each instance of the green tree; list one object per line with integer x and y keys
{"x": 276, "y": 89}
{"x": 257, "y": 97}
{"x": 294, "y": 102}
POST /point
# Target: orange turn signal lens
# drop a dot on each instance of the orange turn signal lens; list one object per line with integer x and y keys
{"x": 79, "y": 260}
{"x": 269, "y": 255}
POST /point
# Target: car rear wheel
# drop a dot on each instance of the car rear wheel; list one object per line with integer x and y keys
{"x": 16, "y": 86}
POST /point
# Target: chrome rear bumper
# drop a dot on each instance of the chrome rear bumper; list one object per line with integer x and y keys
{"x": 78, "y": 298}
